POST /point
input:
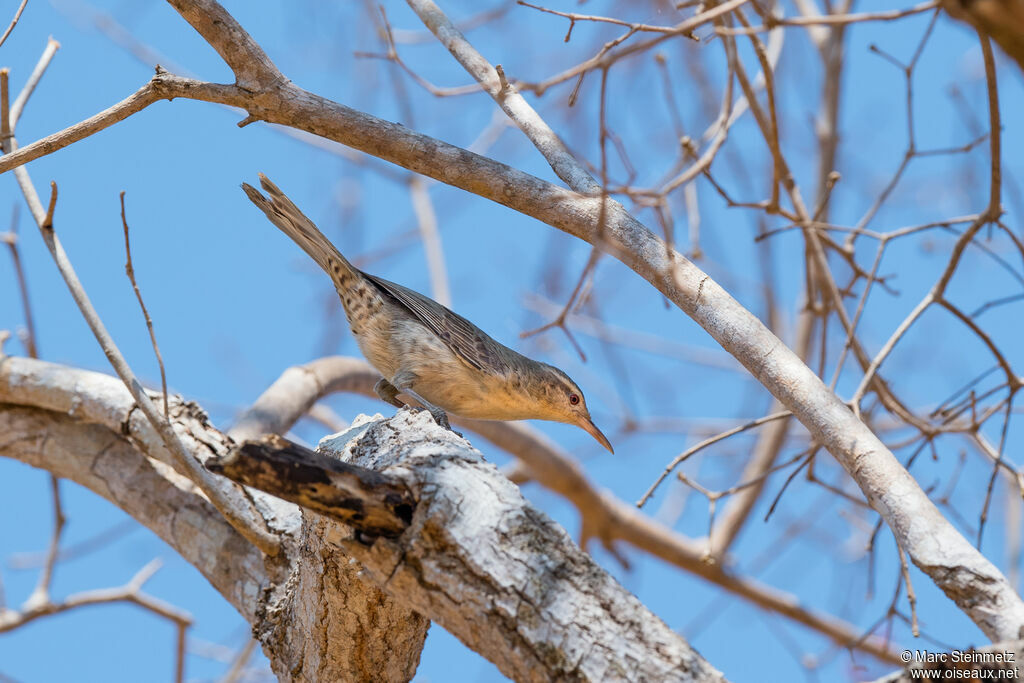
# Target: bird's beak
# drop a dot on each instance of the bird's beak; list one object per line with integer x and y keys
{"x": 588, "y": 424}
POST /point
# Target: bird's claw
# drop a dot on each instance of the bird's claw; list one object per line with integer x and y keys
{"x": 440, "y": 417}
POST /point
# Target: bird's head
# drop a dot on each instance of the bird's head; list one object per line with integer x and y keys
{"x": 558, "y": 398}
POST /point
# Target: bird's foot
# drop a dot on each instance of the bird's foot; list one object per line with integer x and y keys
{"x": 387, "y": 392}
{"x": 441, "y": 418}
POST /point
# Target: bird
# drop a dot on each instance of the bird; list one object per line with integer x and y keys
{"x": 426, "y": 351}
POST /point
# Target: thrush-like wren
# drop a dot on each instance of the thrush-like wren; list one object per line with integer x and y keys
{"x": 426, "y": 351}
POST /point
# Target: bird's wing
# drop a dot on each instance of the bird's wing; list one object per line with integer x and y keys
{"x": 464, "y": 338}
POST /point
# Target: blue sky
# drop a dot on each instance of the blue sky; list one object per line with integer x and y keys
{"x": 234, "y": 302}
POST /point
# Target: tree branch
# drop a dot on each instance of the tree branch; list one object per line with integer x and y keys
{"x": 373, "y": 503}
{"x": 82, "y": 426}
{"x": 482, "y": 562}
{"x": 252, "y": 67}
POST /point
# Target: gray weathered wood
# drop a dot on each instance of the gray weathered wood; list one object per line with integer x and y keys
{"x": 496, "y": 572}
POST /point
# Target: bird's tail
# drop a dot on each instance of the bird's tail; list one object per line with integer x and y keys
{"x": 283, "y": 213}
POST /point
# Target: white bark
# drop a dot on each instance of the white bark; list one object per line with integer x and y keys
{"x": 81, "y": 426}
{"x": 484, "y": 563}
{"x": 336, "y": 605}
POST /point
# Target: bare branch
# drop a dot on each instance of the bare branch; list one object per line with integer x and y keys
{"x": 472, "y": 534}
{"x": 14, "y": 21}
{"x": 693, "y": 450}
{"x": 11, "y": 238}
{"x": 831, "y": 19}
{"x": 84, "y": 426}
{"x": 573, "y": 18}
{"x": 373, "y": 503}
{"x": 33, "y": 80}
{"x": 130, "y": 592}
{"x": 40, "y": 597}
{"x": 130, "y": 270}
{"x": 431, "y": 237}
{"x": 252, "y": 67}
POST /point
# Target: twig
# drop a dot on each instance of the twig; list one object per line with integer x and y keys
{"x": 426, "y": 219}
{"x": 130, "y": 592}
{"x": 230, "y": 501}
{"x": 130, "y": 271}
{"x": 393, "y": 56}
{"x": 626, "y": 337}
{"x": 767, "y": 448}
{"x": 14, "y": 21}
{"x": 11, "y": 238}
{"x": 161, "y": 86}
{"x": 41, "y": 595}
{"x": 606, "y": 57}
{"x": 830, "y": 19}
{"x": 785, "y": 485}
{"x": 235, "y": 673}
{"x": 80, "y": 549}
{"x": 573, "y": 18}
{"x": 992, "y": 211}
{"x": 41, "y": 605}
{"x": 1000, "y": 451}
{"x": 5, "y": 117}
{"x": 562, "y": 317}
{"x": 679, "y": 459}
{"x": 562, "y": 162}
{"x": 911, "y": 597}
{"x": 179, "y": 651}
{"x": 33, "y": 80}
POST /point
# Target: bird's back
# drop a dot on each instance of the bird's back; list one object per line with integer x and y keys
{"x": 378, "y": 309}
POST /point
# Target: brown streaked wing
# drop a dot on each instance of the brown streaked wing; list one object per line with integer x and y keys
{"x": 464, "y": 338}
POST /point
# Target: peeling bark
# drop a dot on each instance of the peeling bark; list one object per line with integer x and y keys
{"x": 484, "y": 563}
{"x": 339, "y": 605}
{"x": 81, "y": 426}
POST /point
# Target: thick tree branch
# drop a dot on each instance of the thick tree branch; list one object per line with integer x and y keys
{"x": 373, "y": 503}
{"x": 299, "y": 387}
{"x": 83, "y": 426}
{"x": 252, "y": 67}
{"x": 162, "y": 86}
{"x": 482, "y": 562}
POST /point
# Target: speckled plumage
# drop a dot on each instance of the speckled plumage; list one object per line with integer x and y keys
{"x": 427, "y": 351}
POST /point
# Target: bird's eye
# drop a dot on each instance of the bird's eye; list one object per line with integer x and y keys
{"x": 574, "y": 399}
